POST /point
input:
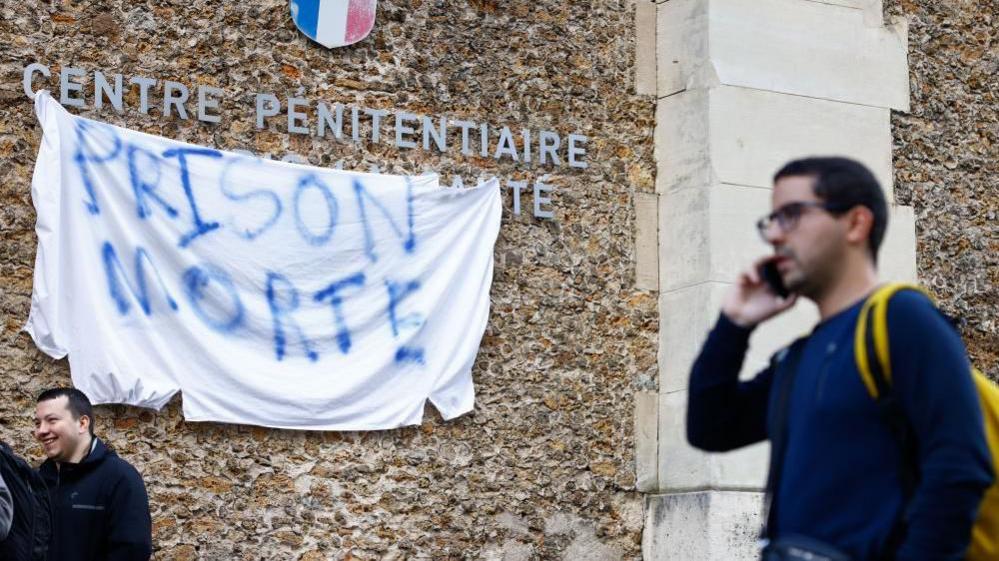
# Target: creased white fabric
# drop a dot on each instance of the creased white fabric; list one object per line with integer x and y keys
{"x": 268, "y": 293}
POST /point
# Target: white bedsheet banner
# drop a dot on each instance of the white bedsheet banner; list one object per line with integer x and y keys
{"x": 268, "y": 293}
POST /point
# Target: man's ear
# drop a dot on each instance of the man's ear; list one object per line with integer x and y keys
{"x": 83, "y": 423}
{"x": 860, "y": 221}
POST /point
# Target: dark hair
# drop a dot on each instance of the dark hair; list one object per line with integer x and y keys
{"x": 844, "y": 184}
{"x": 78, "y": 404}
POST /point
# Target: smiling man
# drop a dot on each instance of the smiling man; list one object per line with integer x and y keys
{"x": 838, "y": 488}
{"x": 99, "y": 505}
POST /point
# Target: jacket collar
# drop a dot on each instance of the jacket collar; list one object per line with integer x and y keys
{"x": 98, "y": 451}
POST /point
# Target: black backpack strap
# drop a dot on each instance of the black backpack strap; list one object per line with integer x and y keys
{"x": 785, "y": 371}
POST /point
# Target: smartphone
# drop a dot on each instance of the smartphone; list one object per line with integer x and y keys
{"x": 771, "y": 276}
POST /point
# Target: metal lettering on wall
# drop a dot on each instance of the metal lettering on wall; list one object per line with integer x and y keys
{"x": 341, "y": 122}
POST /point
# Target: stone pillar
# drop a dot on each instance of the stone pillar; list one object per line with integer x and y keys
{"x": 742, "y": 87}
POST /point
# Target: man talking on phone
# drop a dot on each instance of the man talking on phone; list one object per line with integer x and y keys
{"x": 835, "y": 490}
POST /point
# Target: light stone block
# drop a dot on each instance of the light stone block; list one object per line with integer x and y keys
{"x": 805, "y": 48}
{"x": 685, "y": 242}
{"x": 647, "y": 241}
{"x": 810, "y": 49}
{"x": 702, "y": 526}
{"x": 873, "y": 10}
{"x": 685, "y": 318}
{"x": 754, "y": 133}
{"x": 682, "y": 148}
{"x": 685, "y": 468}
{"x": 742, "y": 136}
{"x": 645, "y": 47}
{"x": 682, "y": 45}
{"x": 647, "y": 441}
{"x": 709, "y": 234}
{"x": 688, "y": 314}
{"x": 897, "y": 258}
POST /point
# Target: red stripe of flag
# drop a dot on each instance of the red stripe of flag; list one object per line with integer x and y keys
{"x": 360, "y": 19}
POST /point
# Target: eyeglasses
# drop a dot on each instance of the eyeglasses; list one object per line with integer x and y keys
{"x": 786, "y": 217}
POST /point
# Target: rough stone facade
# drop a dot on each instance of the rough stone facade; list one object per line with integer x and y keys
{"x": 544, "y": 467}
{"x": 946, "y": 163}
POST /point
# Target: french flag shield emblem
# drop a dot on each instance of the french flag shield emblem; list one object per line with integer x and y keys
{"x": 334, "y": 23}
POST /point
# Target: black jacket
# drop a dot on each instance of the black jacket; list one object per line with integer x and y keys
{"x": 6, "y": 509}
{"x": 100, "y": 509}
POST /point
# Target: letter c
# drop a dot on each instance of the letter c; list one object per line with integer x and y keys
{"x": 29, "y": 74}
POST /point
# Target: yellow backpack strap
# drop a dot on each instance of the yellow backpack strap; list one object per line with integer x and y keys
{"x": 870, "y": 341}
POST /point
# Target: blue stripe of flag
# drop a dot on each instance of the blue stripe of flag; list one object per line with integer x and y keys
{"x": 308, "y": 16}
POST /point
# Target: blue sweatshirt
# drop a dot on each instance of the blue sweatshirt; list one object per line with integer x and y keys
{"x": 841, "y": 476}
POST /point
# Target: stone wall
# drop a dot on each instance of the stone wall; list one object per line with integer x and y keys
{"x": 946, "y": 165}
{"x": 544, "y": 467}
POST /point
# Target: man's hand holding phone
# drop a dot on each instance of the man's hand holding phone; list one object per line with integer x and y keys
{"x": 758, "y": 295}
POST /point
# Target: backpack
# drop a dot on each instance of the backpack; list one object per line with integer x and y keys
{"x": 31, "y": 528}
{"x": 873, "y": 361}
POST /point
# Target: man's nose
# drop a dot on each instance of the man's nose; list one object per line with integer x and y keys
{"x": 773, "y": 234}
